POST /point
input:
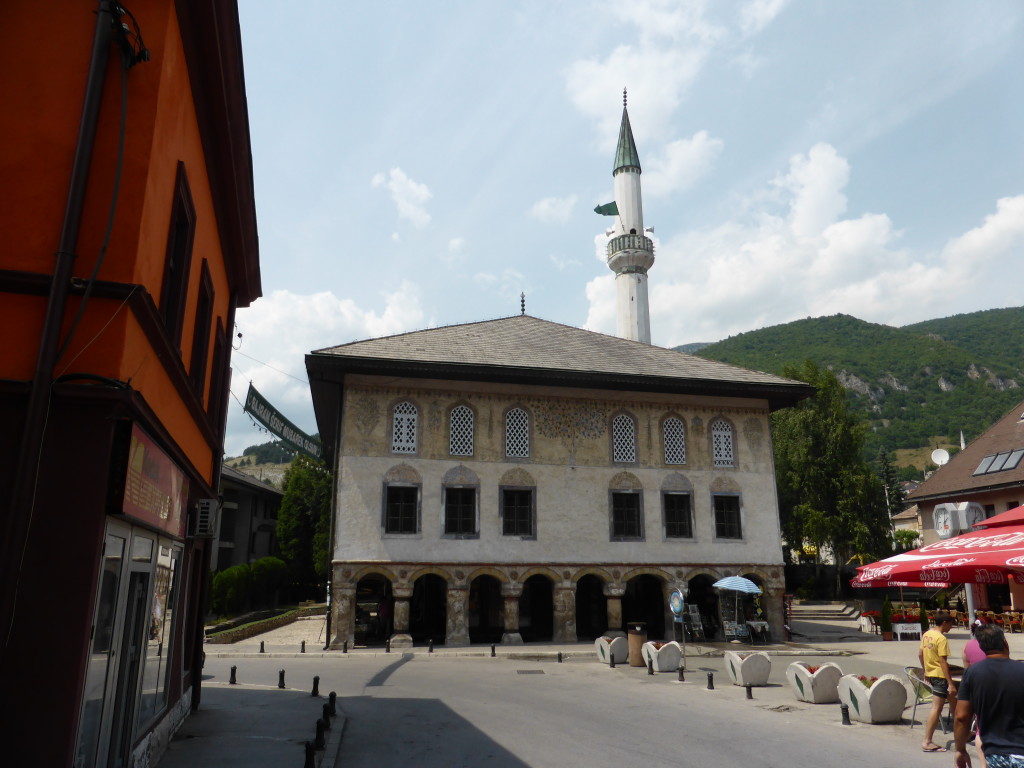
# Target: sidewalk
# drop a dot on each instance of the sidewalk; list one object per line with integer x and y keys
{"x": 254, "y": 726}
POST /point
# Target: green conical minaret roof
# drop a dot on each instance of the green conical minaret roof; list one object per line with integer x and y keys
{"x": 625, "y": 153}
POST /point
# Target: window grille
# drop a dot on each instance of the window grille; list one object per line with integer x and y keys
{"x": 623, "y": 439}
{"x": 517, "y": 433}
{"x": 460, "y": 436}
{"x": 403, "y": 433}
{"x": 626, "y": 523}
{"x": 727, "y": 517}
{"x": 721, "y": 443}
{"x": 401, "y": 513}
{"x": 674, "y": 434}
{"x": 678, "y": 524}
{"x": 517, "y": 512}
{"x": 460, "y": 510}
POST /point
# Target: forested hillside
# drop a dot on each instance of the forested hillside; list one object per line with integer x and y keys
{"x": 930, "y": 379}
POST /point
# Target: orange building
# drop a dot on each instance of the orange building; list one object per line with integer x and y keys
{"x": 129, "y": 240}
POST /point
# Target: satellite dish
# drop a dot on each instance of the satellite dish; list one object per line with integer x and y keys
{"x": 940, "y": 456}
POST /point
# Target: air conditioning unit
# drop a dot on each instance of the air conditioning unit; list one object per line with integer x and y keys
{"x": 207, "y": 519}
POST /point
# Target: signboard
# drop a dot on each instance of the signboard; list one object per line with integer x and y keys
{"x": 152, "y": 490}
{"x": 271, "y": 418}
{"x": 675, "y": 604}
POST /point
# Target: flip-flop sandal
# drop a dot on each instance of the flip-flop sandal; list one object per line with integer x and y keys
{"x": 934, "y": 749}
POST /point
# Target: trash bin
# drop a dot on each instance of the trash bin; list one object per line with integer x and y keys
{"x": 637, "y": 636}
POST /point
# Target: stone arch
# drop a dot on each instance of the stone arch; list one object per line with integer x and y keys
{"x": 485, "y": 611}
{"x": 431, "y": 570}
{"x": 591, "y": 603}
{"x": 460, "y": 475}
{"x": 374, "y": 605}
{"x": 677, "y": 482}
{"x": 488, "y": 570}
{"x": 625, "y": 481}
{"x": 517, "y": 477}
{"x": 536, "y": 605}
{"x": 428, "y": 606}
{"x": 645, "y": 600}
{"x": 592, "y": 570}
{"x": 402, "y": 473}
{"x": 540, "y": 570}
{"x": 701, "y": 594}
{"x": 373, "y": 570}
{"x": 725, "y": 485}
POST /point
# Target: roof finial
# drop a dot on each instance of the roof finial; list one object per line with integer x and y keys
{"x": 623, "y": 98}
{"x": 522, "y": 303}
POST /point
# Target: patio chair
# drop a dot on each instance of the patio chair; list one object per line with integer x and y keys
{"x": 922, "y": 693}
{"x": 1013, "y": 621}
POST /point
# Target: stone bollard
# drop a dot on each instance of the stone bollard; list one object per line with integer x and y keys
{"x": 310, "y": 756}
{"x": 682, "y": 674}
{"x": 344, "y": 647}
{"x": 326, "y": 715}
{"x": 711, "y": 681}
{"x": 845, "y": 711}
{"x": 261, "y": 647}
{"x": 302, "y": 648}
{"x": 320, "y": 728}
{"x": 332, "y": 699}
{"x": 280, "y": 678}
{"x": 750, "y": 691}
{"x": 233, "y": 679}
{"x": 430, "y": 646}
{"x": 316, "y": 686}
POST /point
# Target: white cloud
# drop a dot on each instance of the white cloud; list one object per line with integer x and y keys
{"x": 682, "y": 164}
{"x": 279, "y": 329}
{"x": 792, "y": 254}
{"x": 553, "y": 210}
{"x": 409, "y": 196}
{"x": 758, "y": 14}
{"x": 562, "y": 264}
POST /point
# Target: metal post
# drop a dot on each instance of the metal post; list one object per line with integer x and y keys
{"x": 310, "y": 756}
{"x": 320, "y": 728}
{"x": 261, "y": 647}
{"x": 430, "y": 646}
{"x": 650, "y": 665}
{"x": 611, "y": 660}
{"x": 387, "y": 645}
{"x": 233, "y": 680}
{"x": 303, "y": 648}
{"x": 845, "y": 710}
{"x": 492, "y": 650}
{"x": 750, "y": 692}
{"x": 326, "y": 715}
{"x": 711, "y": 681}
{"x": 682, "y": 675}
{"x": 316, "y": 685}
{"x": 332, "y": 699}
{"x": 280, "y": 678}
{"x": 559, "y": 657}
{"x": 344, "y": 647}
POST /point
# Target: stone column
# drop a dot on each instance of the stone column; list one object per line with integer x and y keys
{"x": 343, "y": 614}
{"x": 614, "y": 593}
{"x": 511, "y": 592}
{"x": 456, "y": 629}
{"x": 565, "y": 615}
{"x": 401, "y": 637}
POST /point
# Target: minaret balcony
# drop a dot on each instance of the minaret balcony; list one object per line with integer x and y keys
{"x": 630, "y": 253}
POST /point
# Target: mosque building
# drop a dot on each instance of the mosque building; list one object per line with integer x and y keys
{"x": 518, "y": 480}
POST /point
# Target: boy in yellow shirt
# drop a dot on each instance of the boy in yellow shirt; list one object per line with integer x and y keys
{"x": 933, "y": 655}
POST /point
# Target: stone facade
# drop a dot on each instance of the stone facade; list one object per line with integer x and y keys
{"x": 571, "y": 473}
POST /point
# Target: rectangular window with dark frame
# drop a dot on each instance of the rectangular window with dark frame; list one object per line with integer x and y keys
{"x": 678, "y": 523}
{"x": 219, "y": 377}
{"x": 727, "y": 517}
{"x": 459, "y": 511}
{"x": 201, "y": 334}
{"x": 179, "y": 257}
{"x": 401, "y": 509}
{"x": 517, "y": 511}
{"x": 627, "y": 516}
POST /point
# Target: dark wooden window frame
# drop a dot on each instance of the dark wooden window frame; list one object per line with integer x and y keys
{"x": 678, "y": 523}
{"x": 517, "y": 515}
{"x": 728, "y": 518}
{"x": 624, "y": 505}
{"x": 400, "y": 515}
{"x": 201, "y": 334}
{"x": 178, "y": 261}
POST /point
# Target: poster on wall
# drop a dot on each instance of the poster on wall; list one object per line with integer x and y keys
{"x": 153, "y": 490}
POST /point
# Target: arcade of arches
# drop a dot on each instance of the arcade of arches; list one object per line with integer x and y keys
{"x": 458, "y": 605}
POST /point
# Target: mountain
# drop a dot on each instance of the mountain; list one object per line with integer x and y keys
{"x": 914, "y": 384}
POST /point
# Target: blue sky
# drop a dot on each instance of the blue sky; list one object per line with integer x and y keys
{"x": 423, "y": 164}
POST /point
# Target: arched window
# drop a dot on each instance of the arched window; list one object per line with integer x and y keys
{"x": 721, "y": 443}
{"x": 674, "y": 434}
{"x": 517, "y": 433}
{"x": 623, "y": 439}
{"x": 403, "y": 432}
{"x": 460, "y": 436}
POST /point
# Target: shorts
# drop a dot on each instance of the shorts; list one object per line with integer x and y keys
{"x": 1005, "y": 761}
{"x": 939, "y": 686}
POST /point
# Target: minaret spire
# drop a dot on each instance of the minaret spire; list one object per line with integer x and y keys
{"x": 630, "y": 251}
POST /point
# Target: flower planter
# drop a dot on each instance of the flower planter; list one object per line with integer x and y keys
{"x": 611, "y": 647}
{"x": 818, "y": 687}
{"x": 883, "y": 702}
{"x": 665, "y": 659}
{"x": 748, "y": 668}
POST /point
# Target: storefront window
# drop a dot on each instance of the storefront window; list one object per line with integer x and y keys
{"x": 155, "y": 663}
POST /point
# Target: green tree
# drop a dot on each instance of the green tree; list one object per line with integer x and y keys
{"x": 828, "y": 495}
{"x": 887, "y": 471}
{"x": 304, "y": 525}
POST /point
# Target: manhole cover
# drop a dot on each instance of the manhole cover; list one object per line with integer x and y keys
{"x": 530, "y": 671}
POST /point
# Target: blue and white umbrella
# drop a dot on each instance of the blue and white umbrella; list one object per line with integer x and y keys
{"x": 738, "y": 584}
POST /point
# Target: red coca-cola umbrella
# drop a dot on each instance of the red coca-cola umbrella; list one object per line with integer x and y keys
{"x": 990, "y": 555}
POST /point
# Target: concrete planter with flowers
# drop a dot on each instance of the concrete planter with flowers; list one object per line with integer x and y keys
{"x": 873, "y": 699}
{"x": 664, "y": 657}
{"x": 748, "y": 668}
{"x": 814, "y": 684}
{"x": 608, "y": 648}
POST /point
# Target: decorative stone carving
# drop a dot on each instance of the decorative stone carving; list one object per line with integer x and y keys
{"x": 517, "y": 476}
{"x": 402, "y": 473}
{"x": 625, "y": 481}
{"x": 364, "y": 411}
{"x": 460, "y": 475}
{"x": 753, "y": 430}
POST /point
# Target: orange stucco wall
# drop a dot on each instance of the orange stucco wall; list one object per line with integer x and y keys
{"x": 46, "y": 100}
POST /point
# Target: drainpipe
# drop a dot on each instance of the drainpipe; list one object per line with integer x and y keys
{"x": 26, "y": 473}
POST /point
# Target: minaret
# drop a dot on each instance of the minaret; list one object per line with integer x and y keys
{"x": 630, "y": 252}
